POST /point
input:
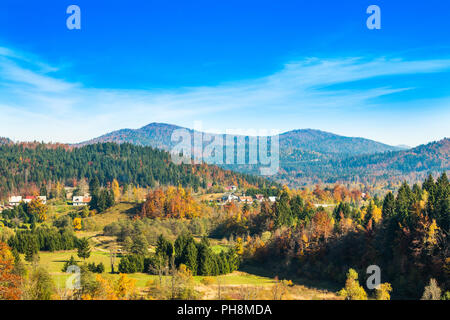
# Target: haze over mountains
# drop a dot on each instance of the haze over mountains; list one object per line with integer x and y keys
{"x": 308, "y": 156}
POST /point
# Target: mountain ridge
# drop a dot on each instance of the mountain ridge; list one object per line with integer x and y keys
{"x": 309, "y": 156}
{"x": 158, "y": 135}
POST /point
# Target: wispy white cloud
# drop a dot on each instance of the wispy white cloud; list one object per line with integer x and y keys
{"x": 37, "y": 104}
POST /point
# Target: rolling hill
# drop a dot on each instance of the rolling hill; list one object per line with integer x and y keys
{"x": 309, "y": 156}
{"x": 158, "y": 135}
{"x": 412, "y": 165}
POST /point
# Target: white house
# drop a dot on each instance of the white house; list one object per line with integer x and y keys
{"x": 15, "y": 200}
{"x": 230, "y": 197}
{"x": 81, "y": 200}
{"x": 28, "y": 199}
{"x": 259, "y": 197}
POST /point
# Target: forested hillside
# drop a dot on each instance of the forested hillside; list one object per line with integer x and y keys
{"x": 310, "y": 156}
{"x": 38, "y": 164}
{"x": 405, "y": 234}
{"x": 414, "y": 163}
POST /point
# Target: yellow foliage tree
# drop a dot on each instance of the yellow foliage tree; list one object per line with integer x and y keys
{"x": 432, "y": 233}
{"x": 77, "y": 224}
{"x": 115, "y": 189}
{"x": 38, "y": 208}
{"x": 352, "y": 290}
{"x": 105, "y": 289}
{"x": 239, "y": 246}
{"x": 125, "y": 287}
{"x": 383, "y": 291}
{"x": 376, "y": 213}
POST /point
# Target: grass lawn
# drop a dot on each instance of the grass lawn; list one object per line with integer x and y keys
{"x": 218, "y": 248}
{"x": 54, "y": 261}
{"x": 241, "y": 278}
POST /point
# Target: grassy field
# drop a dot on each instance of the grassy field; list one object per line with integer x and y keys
{"x": 233, "y": 285}
{"x": 120, "y": 211}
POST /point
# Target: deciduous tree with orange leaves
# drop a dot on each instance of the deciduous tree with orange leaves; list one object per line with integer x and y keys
{"x": 9, "y": 282}
{"x": 171, "y": 203}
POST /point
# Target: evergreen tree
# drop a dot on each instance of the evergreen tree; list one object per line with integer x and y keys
{"x": 205, "y": 258}
{"x": 283, "y": 211}
{"x": 19, "y": 267}
{"x": 140, "y": 245}
{"x": 84, "y": 249}
{"x": 30, "y": 251}
{"x": 164, "y": 247}
{"x": 403, "y": 202}
{"x": 70, "y": 262}
{"x": 388, "y": 206}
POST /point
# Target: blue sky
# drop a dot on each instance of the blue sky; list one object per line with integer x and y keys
{"x": 229, "y": 64}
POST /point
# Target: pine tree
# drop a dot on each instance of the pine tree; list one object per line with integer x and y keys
{"x": 84, "y": 249}
{"x": 30, "y": 251}
{"x": 388, "y": 206}
{"x": 283, "y": 211}
{"x": 140, "y": 245}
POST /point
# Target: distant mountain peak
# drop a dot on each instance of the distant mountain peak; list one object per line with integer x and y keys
{"x": 159, "y": 125}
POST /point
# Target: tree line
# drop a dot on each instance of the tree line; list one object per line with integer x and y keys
{"x": 198, "y": 257}
{"x": 37, "y": 163}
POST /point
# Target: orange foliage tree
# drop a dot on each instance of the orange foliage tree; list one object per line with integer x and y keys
{"x": 9, "y": 282}
{"x": 171, "y": 203}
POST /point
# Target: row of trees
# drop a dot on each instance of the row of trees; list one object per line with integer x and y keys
{"x": 42, "y": 238}
{"x": 197, "y": 257}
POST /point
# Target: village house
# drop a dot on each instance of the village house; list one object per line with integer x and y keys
{"x": 231, "y": 188}
{"x": 28, "y": 199}
{"x": 81, "y": 200}
{"x": 16, "y": 200}
{"x": 229, "y": 197}
{"x": 259, "y": 197}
